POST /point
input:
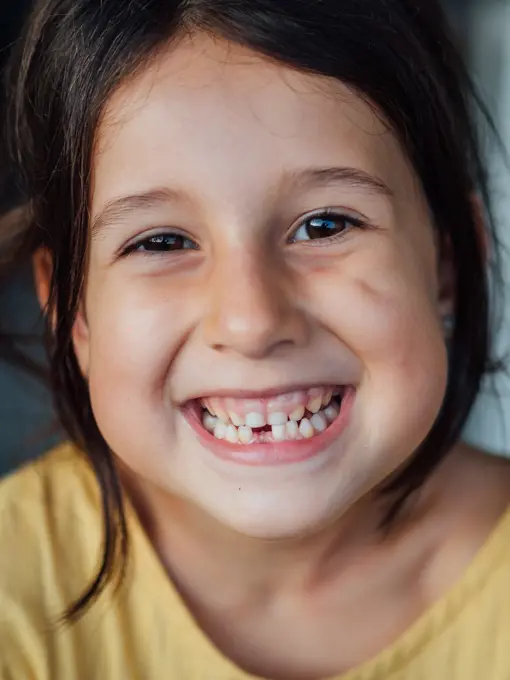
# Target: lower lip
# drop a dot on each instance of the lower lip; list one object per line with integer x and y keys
{"x": 273, "y": 453}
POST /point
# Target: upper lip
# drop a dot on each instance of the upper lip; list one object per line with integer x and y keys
{"x": 259, "y": 394}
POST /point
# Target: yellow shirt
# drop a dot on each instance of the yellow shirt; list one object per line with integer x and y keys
{"x": 50, "y": 542}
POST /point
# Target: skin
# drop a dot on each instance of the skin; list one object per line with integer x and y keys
{"x": 293, "y": 553}
{"x": 248, "y": 309}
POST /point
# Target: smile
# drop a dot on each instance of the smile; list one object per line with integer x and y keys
{"x": 282, "y": 428}
{"x": 291, "y": 416}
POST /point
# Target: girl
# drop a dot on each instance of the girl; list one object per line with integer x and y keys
{"x": 260, "y": 231}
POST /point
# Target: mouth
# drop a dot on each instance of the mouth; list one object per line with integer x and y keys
{"x": 285, "y": 427}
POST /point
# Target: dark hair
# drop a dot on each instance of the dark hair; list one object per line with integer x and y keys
{"x": 396, "y": 54}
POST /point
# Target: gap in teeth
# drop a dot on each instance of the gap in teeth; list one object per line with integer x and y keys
{"x": 301, "y": 424}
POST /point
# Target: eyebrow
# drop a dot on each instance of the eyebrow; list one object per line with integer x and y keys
{"x": 117, "y": 209}
{"x": 353, "y": 178}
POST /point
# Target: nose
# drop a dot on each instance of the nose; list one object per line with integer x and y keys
{"x": 253, "y": 308}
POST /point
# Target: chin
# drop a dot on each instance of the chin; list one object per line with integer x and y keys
{"x": 287, "y": 515}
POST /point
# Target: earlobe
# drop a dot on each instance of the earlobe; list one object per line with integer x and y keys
{"x": 42, "y": 264}
{"x": 446, "y": 296}
{"x": 446, "y": 270}
{"x": 446, "y": 279}
{"x": 43, "y": 272}
{"x": 81, "y": 341}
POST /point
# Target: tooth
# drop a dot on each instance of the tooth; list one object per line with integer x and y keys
{"x": 231, "y": 435}
{"x": 223, "y": 416}
{"x": 245, "y": 434}
{"x": 327, "y": 397}
{"x": 279, "y": 433}
{"x": 298, "y": 413}
{"x": 220, "y": 430}
{"x": 292, "y": 429}
{"x": 235, "y": 418}
{"x": 319, "y": 422}
{"x": 306, "y": 429}
{"x": 209, "y": 407}
{"x": 255, "y": 419}
{"x": 314, "y": 405}
{"x": 209, "y": 421}
{"x": 331, "y": 412}
{"x": 277, "y": 419}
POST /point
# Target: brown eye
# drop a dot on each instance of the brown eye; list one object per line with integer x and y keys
{"x": 323, "y": 227}
{"x": 162, "y": 243}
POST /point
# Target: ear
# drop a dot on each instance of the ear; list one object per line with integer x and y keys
{"x": 81, "y": 341}
{"x": 446, "y": 271}
{"x": 43, "y": 272}
{"x": 446, "y": 279}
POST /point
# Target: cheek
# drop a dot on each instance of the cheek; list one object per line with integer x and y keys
{"x": 384, "y": 308}
{"x": 406, "y": 366}
{"x": 133, "y": 339}
{"x": 383, "y": 302}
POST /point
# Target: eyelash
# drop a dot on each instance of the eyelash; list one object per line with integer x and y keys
{"x": 138, "y": 246}
{"x": 326, "y": 215}
{"x": 329, "y": 215}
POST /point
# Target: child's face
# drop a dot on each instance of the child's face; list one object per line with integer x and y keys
{"x": 232, "y": 157}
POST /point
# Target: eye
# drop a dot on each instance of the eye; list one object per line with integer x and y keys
{"x": 324, "y": 226}
{"x": 161, "y": 243}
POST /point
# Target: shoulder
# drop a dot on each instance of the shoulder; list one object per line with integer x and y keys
{"x": 41, "y": 500}
{"x": 31, "y": 480}
{"x": 471, "y": 524}
{"x": 51, "y": 502}
{"x": 50, "y": 538}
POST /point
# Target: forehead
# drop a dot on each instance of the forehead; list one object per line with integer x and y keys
{"x": 207, "y": 113}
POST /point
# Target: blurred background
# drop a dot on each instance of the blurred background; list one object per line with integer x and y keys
{"x": 482, "y": 28}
